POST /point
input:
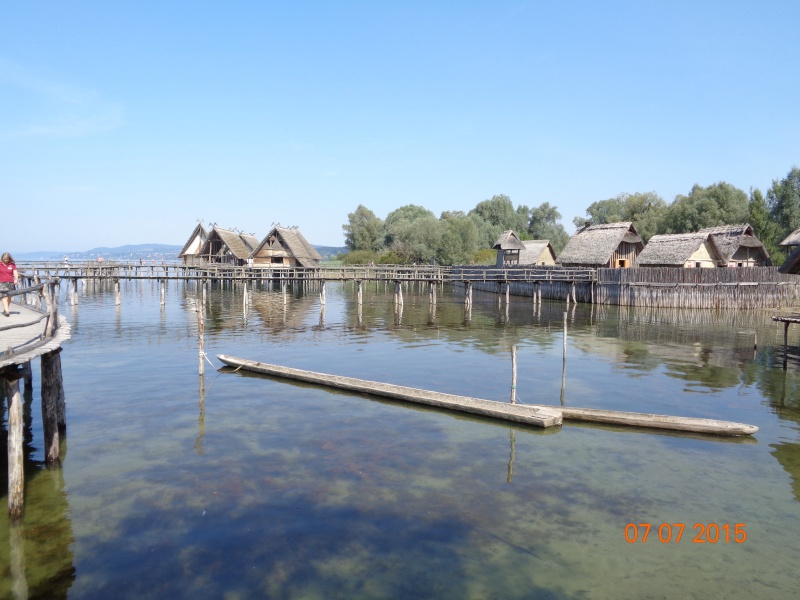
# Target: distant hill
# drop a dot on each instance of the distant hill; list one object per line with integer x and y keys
{"x": 157, "y": 252}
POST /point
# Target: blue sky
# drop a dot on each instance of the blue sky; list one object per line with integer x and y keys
{"x": 126, "y": 122}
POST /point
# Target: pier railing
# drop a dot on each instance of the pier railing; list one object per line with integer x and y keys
{"x": 401, "y": 273}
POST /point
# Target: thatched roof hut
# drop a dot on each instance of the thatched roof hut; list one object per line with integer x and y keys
{"x": 537, "y": 252}
{"x": 193, "y": 245}
{"x": 228, "y": 246}
{"x": 610, "y": 245}
{"x": 738, "y": 246}
{"x": 793, "y": 239}
{"x": 691, "y": 250}
{"x": 509, "y": 247}
{"x": 285, "y": 247}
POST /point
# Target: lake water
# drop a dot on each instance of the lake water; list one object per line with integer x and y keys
{"x": 261, "y": 488}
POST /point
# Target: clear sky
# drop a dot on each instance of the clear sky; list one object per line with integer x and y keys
{"x": 126, "y": 122}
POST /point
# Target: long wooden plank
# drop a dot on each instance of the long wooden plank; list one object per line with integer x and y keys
{"x": 540, "y": 417}
{"x": 634, "y": 419}
{"x": 497, "y": 409}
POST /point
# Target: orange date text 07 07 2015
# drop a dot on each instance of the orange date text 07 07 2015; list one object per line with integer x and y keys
{"x": 704, "y": 533}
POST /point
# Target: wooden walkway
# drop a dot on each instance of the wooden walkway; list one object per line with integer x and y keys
{"x": 22, "y": 335}
{"x": 397, "y": 273}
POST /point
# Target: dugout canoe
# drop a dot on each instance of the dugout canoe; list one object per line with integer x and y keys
{"x": 540, "y": 415}
{"x": 519, "y": 413}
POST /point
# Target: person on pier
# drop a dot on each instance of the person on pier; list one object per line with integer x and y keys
{"x": 9, "y": 278}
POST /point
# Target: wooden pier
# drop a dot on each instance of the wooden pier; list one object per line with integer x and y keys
{"x": 33, "y": 330}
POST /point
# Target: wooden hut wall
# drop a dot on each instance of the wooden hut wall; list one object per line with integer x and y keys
{"x": 747, "y": 257}
{"x": 626, "y": 252}
{"x": 703, "y": 257}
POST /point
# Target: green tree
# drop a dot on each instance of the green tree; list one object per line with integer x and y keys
{"x": 400, "y": 219}
{"x": 363, "y": 230}
{"x": 783, "y": 199}
{"x": 764, "y": 225}
{"x": 459, "y": 239}
{"x": 717, "y": 204}
{"x": 646, "y": 211}
{"x": 543, "y": 224}
{"x": 500, "y": 212}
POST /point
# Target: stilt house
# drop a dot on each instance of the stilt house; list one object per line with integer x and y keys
{"x": 689, "y": 250}
{"x": 609, "y": 245}
{"x": 229, "y": 247}
{"x": 285, "y": 247}
{"x": 508, "y": 247}
{"x": 537, "y": 252}
{"x": 792, "y": 263}
{"x": 193, "y": 246}
{"x": 738, "y": 246}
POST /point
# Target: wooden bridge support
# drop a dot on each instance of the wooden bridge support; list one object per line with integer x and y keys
{"x": 432, "y": 293}
{"x": 117, "y": 297}
{"x": 54, "y": 420}
{"x": 16, "y": 474}
{"x": 322, "y": 292}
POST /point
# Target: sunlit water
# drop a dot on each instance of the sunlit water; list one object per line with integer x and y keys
{"x": 262, "y": 488}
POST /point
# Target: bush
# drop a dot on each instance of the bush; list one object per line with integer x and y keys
{"x": 359, "y": 257}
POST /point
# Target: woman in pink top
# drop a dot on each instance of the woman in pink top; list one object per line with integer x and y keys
{"x": 9, "y": 278}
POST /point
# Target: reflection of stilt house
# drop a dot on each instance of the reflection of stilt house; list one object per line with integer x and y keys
{"x": 508, "y": 247}
{"x": 608, "y": 245}
{"x": 225, "y": 246}
{"x": 738, "y": 246}
{"x": 193, "y": 246}
{"x": 285, "y": 247}
{"x": 689, "y": 250}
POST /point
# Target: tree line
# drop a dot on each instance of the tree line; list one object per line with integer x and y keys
{"x": 413, "y": 234}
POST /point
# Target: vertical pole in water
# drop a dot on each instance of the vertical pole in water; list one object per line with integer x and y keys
{"x": 785, "y": 344}
{"x": 74, "y": 291}
{"x": 116, "y": 292}
{"x": 16, "y": 475}
{"x": 564, "y": 362}
{"x": 360, "y": 293}
{"x": 27, "y": 376}
{"x": 54, "y": 419}
{"x": 508, "y": 293}
{"x": 514, "y": 374}
{"x": 283, "y": 291}
{"x": 322, "y": 292}
{"x": 163, "y": 293}
{"x": 201, "y": 341}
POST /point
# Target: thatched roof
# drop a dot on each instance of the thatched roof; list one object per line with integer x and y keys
{"x": 671, "y": 249}
{"x": 200, "y": 232}
{"x": 793, "y": 239}
{"x": 593, "y": 245}
{"x": 729, "y": 238}
{"x": 508, "y": 240}
{"x": 533, "y": 250}
{"x": 792, "y": 263}
{"x": 239, "y": 244}
{"x": 294, "y": 243}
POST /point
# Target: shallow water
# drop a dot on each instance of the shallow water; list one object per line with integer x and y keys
{"x": 261, "y": 488}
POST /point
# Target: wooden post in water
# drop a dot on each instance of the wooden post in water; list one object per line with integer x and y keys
{"x": 322, "y": 292}
{"x": 74, "y": 291}
{"x": 432, "y": 293}
{"x": 163, "y": 293}
{"x": 512, "y": 438}
{"x": 514, "y": 374}
{"x": 508, "y": 293}
{"x": 16, "y": 474}
{"x": 54, "y": 420}
{"x": 201, "y": 342}
{"x": 27, "y": 375}
{"x": 116, "y": 292}
{"x": 785, "y": 344}
{"x": 564, "y": 362}
{"x": 360, "y": 295}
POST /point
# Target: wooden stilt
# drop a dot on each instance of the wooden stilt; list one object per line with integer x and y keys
{"x": 54, "y": 419}
{"x": 322, "y": 292}
{"x": 116, "y": 292}
{"x": 514, "y": 374}
{"x": 28, "y": 376}
{"x": 785, "y": 344}
{"x": 360, "y": 294}
{"x": 163, "y": 293}
{"x": 200, "y": 340}
{"x": 508, "y": 293}
{"x": 16, "y": 475}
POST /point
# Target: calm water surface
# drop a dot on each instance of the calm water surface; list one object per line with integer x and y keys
{"x": 261, "y": 488}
